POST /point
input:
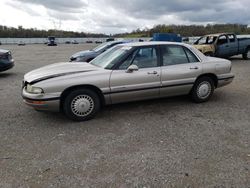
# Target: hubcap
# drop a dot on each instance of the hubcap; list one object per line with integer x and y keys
{"x": 204, "y": 90}
{"x": 82, "y": 105}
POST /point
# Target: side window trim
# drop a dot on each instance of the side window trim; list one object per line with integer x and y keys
{"x": 186, "y": 49}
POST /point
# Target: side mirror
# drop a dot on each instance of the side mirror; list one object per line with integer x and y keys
{"x": 132, "y": 68}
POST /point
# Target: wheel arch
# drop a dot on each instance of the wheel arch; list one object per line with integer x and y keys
{"x": 85, "y": 86}
{"x": 210, "y": 75}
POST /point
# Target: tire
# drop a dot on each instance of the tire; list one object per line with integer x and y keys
{"x": 203, "y": 89}
{"x": 211, "y": 54}
{"x": 246, "y": 55}
{"x": 81, "y": 105}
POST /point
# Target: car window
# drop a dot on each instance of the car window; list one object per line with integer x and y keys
{"x": 112, "y": 56}
{"x": 222, "y": 40}
{"x": 191, "y": 57}
{"x": 143, "y": 58}
{"x": 173, "y": 55}
{"x": 231, "y": 38}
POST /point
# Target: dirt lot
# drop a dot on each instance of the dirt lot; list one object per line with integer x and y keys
{"x": 159, "y": 143}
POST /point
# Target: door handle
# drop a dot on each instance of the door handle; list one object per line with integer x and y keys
{"x": 194, "y": 68}
{"x": 154, "y": 72}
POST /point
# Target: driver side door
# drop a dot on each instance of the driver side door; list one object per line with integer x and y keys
{"x": 222, "y": 47}
{"x": 140, "y": 84}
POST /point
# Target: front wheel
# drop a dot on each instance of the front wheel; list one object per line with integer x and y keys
{"x": 246, "y": 55}
{"x": 203, "y": 89}
{"x": 81, "y": 105}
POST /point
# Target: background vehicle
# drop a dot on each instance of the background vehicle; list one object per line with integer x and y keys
{"x": 170, "y": 37}
{"x": 127, "y": 72}
{"x": 74, "y": 42}
{"x": 223, "y": 45}
{"x": 88, "y": 55}
{"x": 6, "y": 60}
{"x": 110, "y": 39}
{"x": 98, "y": 41}
{"x": 51, "y": 41}
{"x": 21, "y": 43}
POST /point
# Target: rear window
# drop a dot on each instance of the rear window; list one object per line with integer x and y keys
{"x": 173, "y": 55}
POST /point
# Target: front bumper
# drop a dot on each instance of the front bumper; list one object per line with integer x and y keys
{"x": 41, "y": 102}
{"x": 7, "y": 66}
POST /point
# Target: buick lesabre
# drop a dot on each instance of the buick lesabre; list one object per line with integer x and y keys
{"x": 127, "y": 72}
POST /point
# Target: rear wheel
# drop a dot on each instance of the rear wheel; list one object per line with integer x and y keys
{"x": 81, "y": 104}
{"x": 203, "y": 89}
{"x": 246, "y": 55}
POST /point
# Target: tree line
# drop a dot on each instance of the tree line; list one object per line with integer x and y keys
{"x": 189, "y": 30}
{"x": 20, "y": 32}
{"x": 183, "y": 30}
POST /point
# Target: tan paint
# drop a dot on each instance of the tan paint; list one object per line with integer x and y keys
{"x": 206, "y": 48}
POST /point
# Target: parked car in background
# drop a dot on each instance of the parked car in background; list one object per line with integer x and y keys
{"x": 74, "y": 42}
{"x": 6, "y": 60}
{"x": 51, "y": 41}
{"x": 67, "y": 42}
{"x": 98, "y": 41}
{"x": 170, "y": 37}
{"x": 0, "y": 43}
{"x": 21, "y": 43}
{"x": 88, "y": 55}
{"x": 126, "y": 72}
{"x": 223, "y": 45}
{"x": 110, "y": 39}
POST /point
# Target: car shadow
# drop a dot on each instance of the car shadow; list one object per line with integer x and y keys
{"x": 6, "y": 74}
{"x": 238, "y": 58}
{"x": 125, "y": 110}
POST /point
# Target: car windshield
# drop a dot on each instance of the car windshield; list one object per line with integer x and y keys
{"x": 101, "y": 47}
{"x": 109, "y": 58}
{"x": 206, "y": 40}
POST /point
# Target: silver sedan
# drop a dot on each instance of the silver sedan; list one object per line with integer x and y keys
{"x": 127, "y": 72}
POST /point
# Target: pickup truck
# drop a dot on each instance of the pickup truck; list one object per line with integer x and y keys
{"x": 223, "y": 45}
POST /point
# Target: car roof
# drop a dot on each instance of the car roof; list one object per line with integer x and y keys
{"x": 218, "y": 34}
{"x": 151, "y": 43}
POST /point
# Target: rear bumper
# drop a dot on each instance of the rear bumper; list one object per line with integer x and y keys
{"x": 225, "y": 79}
{"x": 40, "y": 102}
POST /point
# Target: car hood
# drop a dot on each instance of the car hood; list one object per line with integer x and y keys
{"x": 3, "y": 51}
{"x": 58, "y": 69}
{"x": 83, "y": 53}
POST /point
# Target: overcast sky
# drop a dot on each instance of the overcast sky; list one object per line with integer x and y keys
{"x": 116, "y": 16}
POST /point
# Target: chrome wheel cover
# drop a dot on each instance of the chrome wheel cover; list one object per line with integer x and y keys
{"x": 204, "y": 90}
{"x": 82, "y": 105}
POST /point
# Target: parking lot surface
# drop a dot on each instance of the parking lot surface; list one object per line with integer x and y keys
{"x": 158, "y": 143}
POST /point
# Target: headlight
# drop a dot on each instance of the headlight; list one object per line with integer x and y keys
{"x": 34, "y": 90}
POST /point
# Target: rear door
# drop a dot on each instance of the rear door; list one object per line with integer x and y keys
{"x": 179, "y": 70}
{"x": 137, "y": 85}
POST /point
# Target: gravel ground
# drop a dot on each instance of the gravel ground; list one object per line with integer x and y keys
{"x": 158, "y": 143}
